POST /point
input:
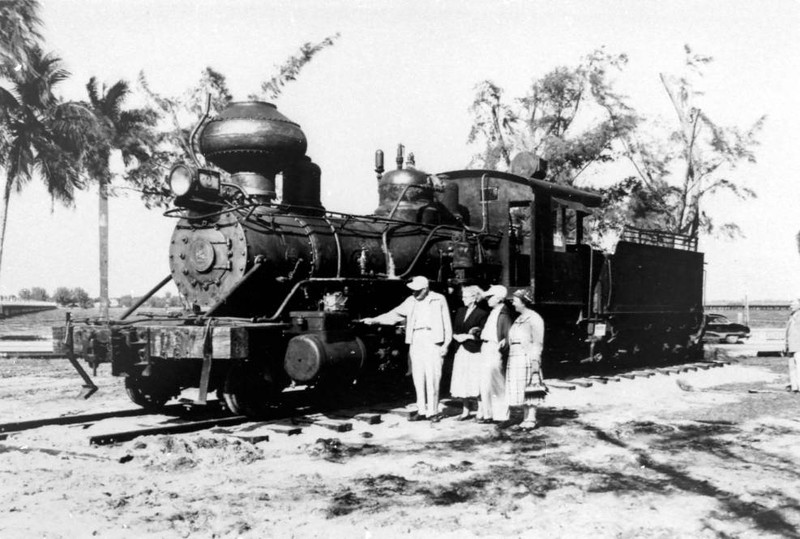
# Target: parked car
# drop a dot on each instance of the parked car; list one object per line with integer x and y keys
{"x": 721, "y": 330}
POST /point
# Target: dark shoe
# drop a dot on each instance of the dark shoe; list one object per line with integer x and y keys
{"x": 417, "y": 417}
{"x": 435, "y": 418}
{"x": 485, "y": 421}
{"x": 463, "y": 418}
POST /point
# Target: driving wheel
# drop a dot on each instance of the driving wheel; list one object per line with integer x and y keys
{"x": 149, "y": 392}
{"x": 249, "y": 390}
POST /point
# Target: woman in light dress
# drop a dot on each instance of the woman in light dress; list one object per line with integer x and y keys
{"x": 524, "y": 383}
{"x": 467, "y": 326}
{"x": 493, "y": 406}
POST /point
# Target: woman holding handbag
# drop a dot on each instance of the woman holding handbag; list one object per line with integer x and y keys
{"x": 524, "y": 383}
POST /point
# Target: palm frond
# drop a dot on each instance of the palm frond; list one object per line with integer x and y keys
{"x": 94, "y": 94}
{"x": 20, "y": 30}
{"x": 111, "y": 102}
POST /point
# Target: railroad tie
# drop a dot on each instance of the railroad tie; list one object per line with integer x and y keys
{"x": 368, "y": 417}
{"x": 245, "y": 434}
{"x": 320, "y": 420}
{"x": 284, "y": 428}
{"x": 559, "y": 384}
{"x": 252, "y": 438}
{"x": 402, "y": 411}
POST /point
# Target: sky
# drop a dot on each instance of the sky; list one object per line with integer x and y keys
{"x": 405, "y": 72}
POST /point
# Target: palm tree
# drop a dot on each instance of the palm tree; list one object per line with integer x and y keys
{"x": 39, "y": 134}
{"x": 127, "y": 131}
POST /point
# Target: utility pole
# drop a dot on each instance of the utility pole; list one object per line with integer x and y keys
{"x": 103, "y": 232}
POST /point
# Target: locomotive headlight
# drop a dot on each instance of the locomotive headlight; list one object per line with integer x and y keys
{"x": 181, "y": 179}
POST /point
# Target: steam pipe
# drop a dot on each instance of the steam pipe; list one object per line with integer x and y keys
{"x": 399, "y": 200}
{"x": 484, "y": 211}
{"x": 338, "y": 247}
{"x": 196, "y": 129}
{"x": 420, "y": 251}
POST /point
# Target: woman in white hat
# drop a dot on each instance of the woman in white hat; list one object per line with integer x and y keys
{"x": 493, "y": 405}
{"x": 524, "y": 384}
{"x": 467, "y": 325}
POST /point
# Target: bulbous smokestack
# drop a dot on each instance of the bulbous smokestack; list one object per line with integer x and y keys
{"x": 252, "y": 141}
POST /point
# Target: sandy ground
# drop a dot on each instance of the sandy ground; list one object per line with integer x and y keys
{"x": 638, "y": 458}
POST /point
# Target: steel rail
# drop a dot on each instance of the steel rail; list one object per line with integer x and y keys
{"x": 180, "y": 428}
{"x": 19, "y": 426}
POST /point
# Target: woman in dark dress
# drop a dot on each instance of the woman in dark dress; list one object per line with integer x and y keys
{"x": 467, "y": 326}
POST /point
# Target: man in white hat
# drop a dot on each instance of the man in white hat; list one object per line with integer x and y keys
{"x": 428, "y": 335}
{"x": 493, "y": 406}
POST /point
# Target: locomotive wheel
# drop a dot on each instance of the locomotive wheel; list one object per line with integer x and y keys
{"x": 148, "y": 392}
{"x": 247, "y": 391}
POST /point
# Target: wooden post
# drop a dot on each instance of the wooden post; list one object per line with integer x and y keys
{"x": 103, "y": 232}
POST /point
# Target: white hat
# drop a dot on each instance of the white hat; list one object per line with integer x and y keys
{"x": 418, "y": 283}
{"x": 496, "y": 290}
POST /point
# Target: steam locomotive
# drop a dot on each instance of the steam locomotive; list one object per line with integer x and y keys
{"x": 274, "y": 288}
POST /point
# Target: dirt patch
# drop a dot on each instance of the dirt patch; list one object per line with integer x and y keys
{"x": 637, "y": 458}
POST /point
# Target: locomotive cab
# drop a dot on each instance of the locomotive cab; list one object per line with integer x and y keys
{"x": 541, "y": 244}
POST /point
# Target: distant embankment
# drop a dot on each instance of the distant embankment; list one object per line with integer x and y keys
{"x": 9, "y": 308}
{"x": 752, "y": 306}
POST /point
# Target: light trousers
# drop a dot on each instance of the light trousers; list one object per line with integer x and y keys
{"x": 794, "y": 368}
{"x": 426, "y": 371}
{"x": 493, "y": 403}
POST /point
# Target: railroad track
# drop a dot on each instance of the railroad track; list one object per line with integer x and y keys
{"x": 291, "y": 420}
{"x": 618, "y": 376}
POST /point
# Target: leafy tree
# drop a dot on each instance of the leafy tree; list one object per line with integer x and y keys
{"x": 25, "y": 293}
{"x": 551, "y": 119}
{"x": 63, "y": 296}
{"x": 19, "y": 32}
{"x": 290, "y": 69}
{"x": 181, "y": 114}
{"x": 37, "y": 293}
{"x": 127, "y": 131}
{"x": 699, "y": 153}
{"x": 81, "y": 297}
{"x": 575, "y": 119}
{"x": 40, "y": 134}
{"x": 178, "y": 117}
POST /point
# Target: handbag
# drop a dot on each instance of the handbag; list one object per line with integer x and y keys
{"x": 536, "y": 389}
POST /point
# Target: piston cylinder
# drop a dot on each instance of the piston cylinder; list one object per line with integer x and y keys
{"x": 324, "y": 356}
